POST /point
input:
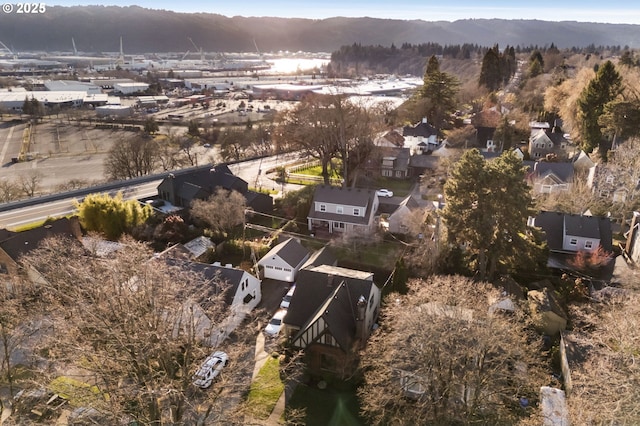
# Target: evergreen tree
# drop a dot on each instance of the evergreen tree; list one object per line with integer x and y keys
{"x": 505, "y": 134}
{"x": 151, "y": 126}
{"x": 490, "y": 75}
{"x": 604, "y": 88}
{"x": 193, "y": 129}
{"x": 487, "y": 206}
{"x": 438, "y": 94}
{"x": 433, "y": 65}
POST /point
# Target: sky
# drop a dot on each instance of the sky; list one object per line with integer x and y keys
{"x": 613, "y": 11}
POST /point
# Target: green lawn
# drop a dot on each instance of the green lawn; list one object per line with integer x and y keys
{"x": 328, "y": 407}
{"x": 399, "y": 187}
{"x": 381, "y": 255}
{"x": 265, "y": 389}
{"x": 78, "y": 393}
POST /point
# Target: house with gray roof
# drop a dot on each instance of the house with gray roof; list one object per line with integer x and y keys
{"x": 568, "y": 234}
{"x": 615, "y": 183}
{"x": 180, "y": 189}
{"x": 407, "y": 217}
{"x": 395, "y": 163}
{"x": 337, "y": 209}
{"x": 240, "y": 290}
{"x": 14, "y": 245}
{"x": 543, "y": 142}
{"x": 284, "y": 260}
{"x": 549, "y": 177}
{"x": 331, "y": 316}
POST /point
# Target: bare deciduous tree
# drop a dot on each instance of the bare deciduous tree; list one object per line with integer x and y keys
{"x": 442, "y": 357}
{"x": 129, "y": 158}
{"x": 222, "y": 211}
{"x": 15, "y": 324}
{"x": 606, "y": 382}
{"x": 9, "y": 191}
{"x": 137, "y": 324}
{"x": 328, "y": 127}
{"x": 30, "y": 182}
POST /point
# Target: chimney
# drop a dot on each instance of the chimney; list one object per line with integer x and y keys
{"x": 424, "y": 120}
{"x": 330, "y": 280}
{"x": 361, "y": 315}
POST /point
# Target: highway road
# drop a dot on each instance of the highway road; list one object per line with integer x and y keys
{"x": 25, "y": 215}
{"x": 252, "y": 171}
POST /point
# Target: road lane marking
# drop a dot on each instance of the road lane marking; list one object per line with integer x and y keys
{"x": 6, "y": 145}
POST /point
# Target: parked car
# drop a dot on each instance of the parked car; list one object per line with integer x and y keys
{"x": 274, "y": 326}
{"x": 210, "y": 369}
{"x": 384, "y": 193}
{"x": 287, "y": 298}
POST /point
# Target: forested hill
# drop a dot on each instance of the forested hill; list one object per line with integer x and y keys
{"x": 98, "y": 29}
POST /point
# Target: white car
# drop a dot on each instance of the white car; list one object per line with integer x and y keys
{"x": 384, "y": 193}
{"x": 287, "y": 298}
{"x": 274, "y": 326}
{"x": 210, "y": 369}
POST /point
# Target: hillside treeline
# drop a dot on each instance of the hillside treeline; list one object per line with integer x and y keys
{"x": 499, "y": 64}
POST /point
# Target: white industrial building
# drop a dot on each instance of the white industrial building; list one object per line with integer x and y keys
{"x": 130, "y": 88}
{"x": 14, "y": 100}
{"x": 113, "y": 111}
{"x": 72, "y": 86}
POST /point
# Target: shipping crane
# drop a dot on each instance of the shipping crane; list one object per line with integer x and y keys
{"x": 197, "y": 49}
{"x": 13, "y": 55}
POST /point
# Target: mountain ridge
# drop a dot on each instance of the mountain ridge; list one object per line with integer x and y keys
{"x": 99, "y": 28}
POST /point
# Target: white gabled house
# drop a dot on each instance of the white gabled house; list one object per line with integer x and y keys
{"x": 284, "y": 260}
{"x": 240, "y": 290}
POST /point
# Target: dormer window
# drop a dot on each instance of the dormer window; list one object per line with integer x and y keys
{"x": 339, "y": 209}
{"x": 609, "y": 179}
{"x": 573, "y": 241}
{"x": 356, "y": 211}
{"x": 588, "y": 244}
{"x": 323, "y": 207}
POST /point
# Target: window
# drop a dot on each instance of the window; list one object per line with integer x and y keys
{"x": 356, "y": 211}
{"x": 545, "y": 189}
{"x": 588, "y": 244}
{"x": 387, "y": 173}
{"x": 609, "y": 179}
{"x": 339, "y": 209}
{"x": 339, "y": 225}
{"x": 573, "y": 241}
{"x": 323, "y": 207}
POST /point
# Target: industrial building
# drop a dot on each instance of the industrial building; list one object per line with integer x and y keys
{"x": 72, "y": 86}
{"x": 130, "y": 88}
{"x": 114, "y": 111}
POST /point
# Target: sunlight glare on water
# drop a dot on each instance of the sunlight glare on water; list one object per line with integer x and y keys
{"x": 292, "y": 65}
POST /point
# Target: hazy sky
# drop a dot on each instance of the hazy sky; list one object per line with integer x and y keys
{"x": 613, "y": 11}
